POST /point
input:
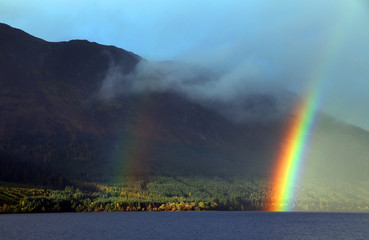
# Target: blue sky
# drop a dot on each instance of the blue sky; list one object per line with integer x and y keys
{"x": 282, "y": 42}
{"x": 164, "y": 29}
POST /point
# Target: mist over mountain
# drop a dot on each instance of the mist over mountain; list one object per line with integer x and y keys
{"x": 237, "y": 96}
{"x": 78, "y": 110}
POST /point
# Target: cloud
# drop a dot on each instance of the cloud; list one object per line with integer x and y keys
{"x": 241, "y": 94}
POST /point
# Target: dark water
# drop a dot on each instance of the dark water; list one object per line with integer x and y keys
{"x": 185, "y": 225}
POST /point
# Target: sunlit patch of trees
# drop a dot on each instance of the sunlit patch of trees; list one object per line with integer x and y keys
{"x": 158, "y": 194}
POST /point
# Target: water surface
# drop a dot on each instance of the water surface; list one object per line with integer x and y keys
{"x": 185, "y": 225}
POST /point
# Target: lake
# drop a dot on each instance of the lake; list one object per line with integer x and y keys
{"x": 185, "y": 225}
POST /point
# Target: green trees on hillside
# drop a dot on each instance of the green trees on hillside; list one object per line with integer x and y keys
{"x": 176, "y": 194}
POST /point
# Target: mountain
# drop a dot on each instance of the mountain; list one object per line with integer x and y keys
{"x": 55, "y": 128}
{"x": 53, "y": 118}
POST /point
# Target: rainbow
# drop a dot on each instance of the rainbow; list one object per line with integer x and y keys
{"x": 292, "y": 152}
{"x": 130, "y": 155}
{"x": 291, "y": 156}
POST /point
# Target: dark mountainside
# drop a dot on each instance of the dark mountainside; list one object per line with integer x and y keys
{"x": 53, "y": 117}
{"x": 56, "y": 130}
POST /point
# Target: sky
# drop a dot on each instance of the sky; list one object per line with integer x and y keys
{"x": 268, "y": 44}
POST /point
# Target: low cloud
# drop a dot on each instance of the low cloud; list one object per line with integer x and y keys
{"x": 242, "y": 93}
